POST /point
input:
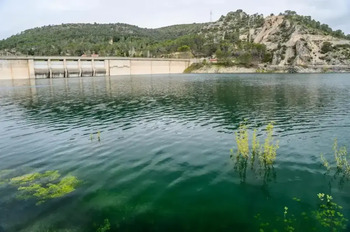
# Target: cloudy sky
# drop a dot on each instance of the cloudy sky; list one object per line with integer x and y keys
{"x": 19, "y": 15}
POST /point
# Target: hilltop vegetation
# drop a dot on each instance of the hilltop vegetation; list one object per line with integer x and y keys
{"x": 235, "y": 39}
{"x": 103, "y": 39}
{"x": 313, "y": 24}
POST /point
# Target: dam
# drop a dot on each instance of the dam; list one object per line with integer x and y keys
{"x": 65, "y": 67}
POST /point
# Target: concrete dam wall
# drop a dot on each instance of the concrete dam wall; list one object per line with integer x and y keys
{"x": 53, "y": 67}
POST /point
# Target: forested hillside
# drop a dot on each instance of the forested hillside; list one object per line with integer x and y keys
{"x": 103, "y": 39}
{"x": 235, "y": 39}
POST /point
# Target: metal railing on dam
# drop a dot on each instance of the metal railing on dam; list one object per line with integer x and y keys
{"x": 59, "y": 66}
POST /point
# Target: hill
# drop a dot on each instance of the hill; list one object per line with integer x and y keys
{"x": 103, "y": 39}
{"x": 287, "y": 39}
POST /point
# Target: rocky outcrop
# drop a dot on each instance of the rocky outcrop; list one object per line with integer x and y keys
{"x": 291, "y": 42}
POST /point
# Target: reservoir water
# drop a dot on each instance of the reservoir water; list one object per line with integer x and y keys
{"x": 152, "y": 153}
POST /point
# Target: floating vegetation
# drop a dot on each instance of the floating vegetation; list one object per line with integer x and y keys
{"x": 328, "y": 216}
{"x": 44, "y": 186}
{"x": 263, "y": 155}
{"x": 341, "y": 164}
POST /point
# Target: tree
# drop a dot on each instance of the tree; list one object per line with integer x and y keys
{"x": 290, "y": 13}
{"x": 339, "y": 33}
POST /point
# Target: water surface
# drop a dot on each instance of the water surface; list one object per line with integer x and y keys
{"x": 163, "y": 160}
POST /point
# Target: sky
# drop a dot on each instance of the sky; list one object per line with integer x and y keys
{"x": 19, "y": 15}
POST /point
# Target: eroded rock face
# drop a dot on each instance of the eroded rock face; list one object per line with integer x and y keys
{"x": 289, "y": 42}
{"x": 303, "y": 53}
{"x": 267, "y": 34}
{"x": 295, "y": 45}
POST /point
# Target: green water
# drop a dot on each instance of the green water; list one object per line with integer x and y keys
{"x": 163, "y": 159}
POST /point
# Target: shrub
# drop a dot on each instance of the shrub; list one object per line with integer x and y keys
{"x": 267, "y": 58}
{"x": 245, "y": 60}
{"x": 326, "y": 47}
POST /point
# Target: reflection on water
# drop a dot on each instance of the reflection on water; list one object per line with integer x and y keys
{"x": 162, "y": 162}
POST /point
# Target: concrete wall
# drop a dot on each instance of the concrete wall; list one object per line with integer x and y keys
{"x": 41, "y": 67}
{"x": 147, "y": 66}
{"x": 162, "y": 67}
{"x": 119, "y": 67}
{"x": 14, "y": 69}
{"x": 177, "y": 66}
{"x": 138, "y": 67}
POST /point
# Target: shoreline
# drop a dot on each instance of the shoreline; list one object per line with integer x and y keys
{"x": 212, "y": 69}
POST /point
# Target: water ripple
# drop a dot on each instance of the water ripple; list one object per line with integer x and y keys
{"x": 164, "y": 143}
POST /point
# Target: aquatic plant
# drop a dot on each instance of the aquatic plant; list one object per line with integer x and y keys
{"x": 325, "y": 162}
{"x": 242, "y": 140}
{"x": 44, "y": 186}
{"x": 269, "y": 154}
{"x": 256, "y": 149}
{"x": 285, "y": 212}
{"x": 266, "y": 153}
{"x": 329, "y": 214}
{"x": 98, "y": 134}
{"x": 340, "y": 156}
{"x": 105, "y": 227}
{"x": 341, "y": 162}
{"x": 288, "y": 222}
